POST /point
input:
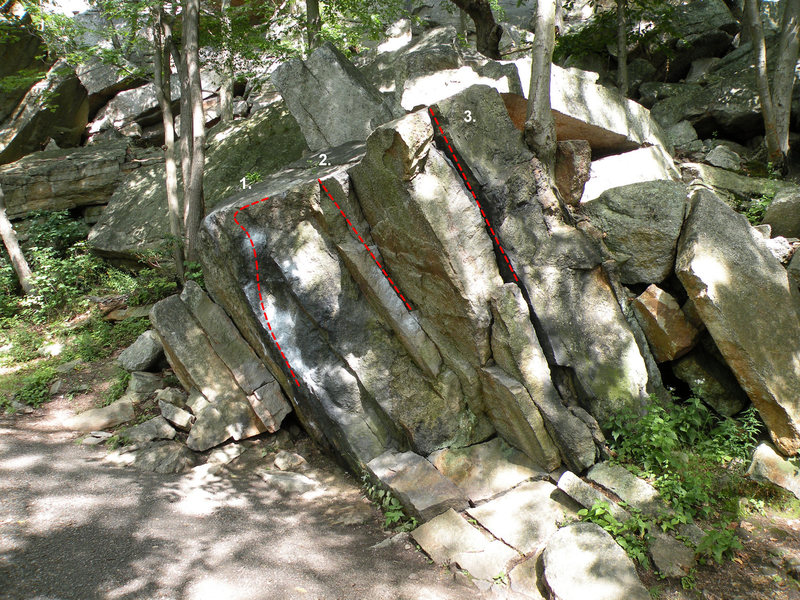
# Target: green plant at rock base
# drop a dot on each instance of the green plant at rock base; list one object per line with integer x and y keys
{"x": 97, "y": 338}
{"x": 394, "y": 514}
{"x": 718, "y": 544}
{"x": 758, "y": 207}
{"x": 117, "y": 388}
{"x": 35, "y": 389}
{"x": 632, "y": 534}
{"x": 253, "y": 177}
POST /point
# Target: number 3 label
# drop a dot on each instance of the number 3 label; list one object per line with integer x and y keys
{"x": 468, "y": 117}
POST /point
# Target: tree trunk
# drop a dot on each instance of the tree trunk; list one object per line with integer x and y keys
{"x": 487, "y": 31}
{"x": 185, "y": 136}
{"x": 462, "y": 23}
{"x": 540, "y": 128}
{"x": 193, "y": 202}
{"x": 783, "y": 82}
{"x": 161, "y": 74}
{"x": 753, "y": 15}
{"x": 14, "y": 251}
{"x": 226, "y": 91}
{"x": 313, "y": 24}
{"x": 622, "y": 47}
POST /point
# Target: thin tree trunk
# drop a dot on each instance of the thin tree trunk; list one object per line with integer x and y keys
{"x": 226, "y": 91}
{"x": 9, "y": 236}
{"x": 487, "y": 31}
{"x": 161, "y": 74}
{"x": 193, "y": 202}
{"x": 185, "y": 136}
{"x": 753, "y": 14}
{"x": 783, "y": 81}
{"x": 622, "y": 47}
{"x": 313, "y": 24}
{"x": 462, "y": 22}
{"x": 540, "y": 128}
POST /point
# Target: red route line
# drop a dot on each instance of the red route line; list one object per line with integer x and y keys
{"x": 360, "y": 239}
{"x": 258, "y": 284}
{"x": 469, "y": 187}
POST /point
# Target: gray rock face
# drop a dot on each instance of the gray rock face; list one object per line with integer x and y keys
{"x": 586, "y": 495}
{"x": 583, "y": 561}
{"x": 681, "y": 133}
{"x": 177, "y": 416}
{"x": 143, "y": 354}
{"x": 668, "y": 332}
{"x": 62, "y": 118}
{"x": 425, "y": 90}
{"x": 641, "y": 222}
{"x": 159, "y": 457}
{"x": 783, "y": 213}
{"x": 672, "y": 558}
{"x": 19, "y": 49}
{"x": 142, "y": 383}
{"x": 768, "y": 465}
{"x": 422, "y": 490}
{"x": 637, "y": 166}
{"x": 719, "y": 258}
{"x": 64, "y": 179}
{"x": 712, "y": 381}
{"x": 538, "y": 507}
{"x": 485, "y": 470}
{"x": 207, "y": 353}
{"x": 138, "y": 106}
{"x": 156, "y": 428}
{"x": 559, "y": 266}
{"x": 325, "y": 79}
{"x": 136, "y": 217}
{"x": 573, "y": 165}
{"x": 724, "y": 158}
{"x": 636, "y": 492}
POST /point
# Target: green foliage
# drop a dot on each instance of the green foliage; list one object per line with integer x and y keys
{"x": 253, "y": 177}
{"x": 194, "y": 271}
{"x": 718, "y": 544}
{"x": 393, "y": 511}
{"x": 117, "y": 389}
{"x": 152, "y": 285}
{"x": 98, "y": 338}
{"x": 35, "y": 387}
{"x": 25, "y": 342}
{"x": 346, "y": 22}
{"x": 758, "y": 207}
{"x": 650, "y": 22}
{"x": 632, "y": 535}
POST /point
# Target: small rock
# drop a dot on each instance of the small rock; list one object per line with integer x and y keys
{"x": 287, "y": 481}
{"x": 156, "y": 428}
{"x": 668, "y": 332}
{"x": 289, "y": 461}
{"x": 144, "y": 354}
{"x": 160, "y": 457}
{"x": 174, "y": 396}
{"x": 586, "y": 495}
{"x": 783, "y": 213}
{"x": 395, "y": 540}
{"x": 628, "y": 487}
{"x": 56, "y": 387}
{"x": 196, "y": 402}
{"x": 780, "y": 248}
{"x": 768, "y": 465}
{"x": 681, "y": 133}
{"x": 670, "y": 557}
{"x": 68, "y": 366}
{"x": 724, "y": 158}
{"x": 112, "y": 415}
{"x": 225, "y": 454}
{"x": 177, "y": 416}
{"x": 142, "y": 382}
{"x": 19, "y": 407}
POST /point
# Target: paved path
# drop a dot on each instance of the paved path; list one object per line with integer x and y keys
{"x": 73, "y": 527}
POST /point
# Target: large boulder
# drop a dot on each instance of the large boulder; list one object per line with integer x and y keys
{"x": 22, "y": 55}
{"x": 208, "y": 354}
{"x": 737, "y": 190}
{"x": 54, "y": 108}
{"x": 641, "y": 223}
{"x": 136, "y": 217}
{"x": 64, "y": 179}
{"x": 560, "y": 267}
{"x": 726, "y": 272}
{"x": 144, "y": 354}
{"x": 583, "y": 561}
{"x": 331, "y": 100}
{"x": 584, "y": 110}
{"x": 783, "y": 213}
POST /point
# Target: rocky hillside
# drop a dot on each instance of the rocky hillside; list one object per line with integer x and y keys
{"x": 381, "y": 258}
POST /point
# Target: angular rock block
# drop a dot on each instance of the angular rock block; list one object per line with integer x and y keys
{"x": 331, "y": 100}
{"x": 143, "y": 355}
{"x": 711, "y": 380}
{"x": 636, "y": 492}
{"x": 423, "y": 490}
{"x": 727, "y": 272}
{"x": 429, "y": 89}
{"x": 95, "y": 419}
{"x": 586, "y": 495}
{"x": 485, "y": 470}
{"x": 192, "y": 351}
{"x": 783, "y": 213}
{"x": 156, "y": 428}
{"x": 770, "y": 466}
{"x": 641, "y": 223}
{"x": 583, "y": 561}
{"x": 525, "y": 517}
{"x": 637, "y": 166}
{"x": 668, "y": 332}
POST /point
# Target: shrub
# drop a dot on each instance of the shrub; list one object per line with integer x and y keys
{"x": 35, "y": 388}
{"x": 97, "y": 339}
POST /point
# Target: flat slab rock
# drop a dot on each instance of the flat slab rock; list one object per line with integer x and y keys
{"x": 161, "y": 457}
{"x": 631, "y": 489}
{"x": 527, "y": 516}
{"x": 583, "y": 561}
{"x": 96, "y": 419}
{"x": 417, "y": 484}
{"x": 485, "y": 470}
{"x": 448, "y": 538}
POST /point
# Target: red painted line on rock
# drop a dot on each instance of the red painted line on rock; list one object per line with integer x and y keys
{"x": 258, "y": 283}
{"x": 474, "y": 195}
{"x": 360, "y": 239}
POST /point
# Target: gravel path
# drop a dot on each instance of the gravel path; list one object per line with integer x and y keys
{"x": 73, "y": 527}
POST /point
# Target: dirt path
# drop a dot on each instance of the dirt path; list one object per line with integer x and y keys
{"x": 73, "y": 527}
